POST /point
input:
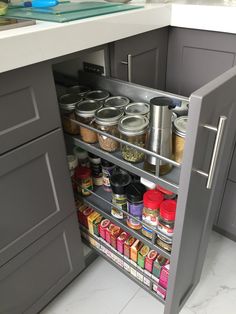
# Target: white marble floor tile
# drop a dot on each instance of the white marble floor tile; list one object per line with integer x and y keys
{"x": 100, "y": 289}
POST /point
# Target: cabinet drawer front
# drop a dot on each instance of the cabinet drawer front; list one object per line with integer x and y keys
{"x": 30, "y": 280}
{"x": 35, "y": 192}
{"x": 28, "y": 105}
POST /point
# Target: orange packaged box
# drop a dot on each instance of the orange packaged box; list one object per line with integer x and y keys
{"x": 114, "y": 235}
{"x": 134, "y": 250}
{"x": 127, "y": 246}
{"x": 80, "y": 215}
{"x": 88, "y": 211}
{"x": 91, "y": 218}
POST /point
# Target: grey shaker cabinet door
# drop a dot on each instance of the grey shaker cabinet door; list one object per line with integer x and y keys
{"x": 28, "y": 105}
{"x": 30, "y": 280}
{"x": 227, "y": 217}
{"x": 197, "y": 205}
{"x": 148, "y": 53}
{"x": 35, "y": 192}
{"x": 232, "y": 171}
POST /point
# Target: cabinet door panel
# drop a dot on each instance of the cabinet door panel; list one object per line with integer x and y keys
{"x": 30, "y": 280}
{"x": 148, "y": 58}
{"x": 28, "y": 105}
{"x": 35, "y": 192}
{"x": 197, "y": 205}
{"x": 232, "y": 171}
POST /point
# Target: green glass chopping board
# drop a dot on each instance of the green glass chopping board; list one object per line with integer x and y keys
{"x": 65, "y": 12}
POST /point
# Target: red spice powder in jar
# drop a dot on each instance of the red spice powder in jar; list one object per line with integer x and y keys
{"x": 167, "y": 218}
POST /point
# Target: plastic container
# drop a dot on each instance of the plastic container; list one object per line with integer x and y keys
{"x": 84, "y": 180}
{"x": 152, "y": 200}
{"x": 67, "y": 105}
{"x": 167, "y": 218}
{"x": 96, "y": 167}
{"x": 135, "y": 193}
{"x": 133, "y": 129}
{"x": 119, "y": 182}
{"x": 179, "y": 133}
{"x": 107, "y": 169}
{"x": 107, "y": 121}
{"x": 85, "y": 112}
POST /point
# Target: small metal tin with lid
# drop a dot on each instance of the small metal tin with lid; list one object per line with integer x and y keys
{"x": 98, "y": 95}
{"x": 179, "y": 133}
{"x": 117, "y": 102}
{"x": 133, "y": 129}
{"x": 107, "y": 121}
{"x": 85, "y": 112}
{"x": 137, "y": 108}
{"x": 67, "y": 105}
{"x": 79, "y": 90}
{"x": 181, "y": 107}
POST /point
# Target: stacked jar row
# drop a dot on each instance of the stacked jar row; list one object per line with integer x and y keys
{"x": 152, "y": 211}
{"x": 131, "y": 254}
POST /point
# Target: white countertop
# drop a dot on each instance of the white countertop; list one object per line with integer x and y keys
{"x": 47, "y": 40}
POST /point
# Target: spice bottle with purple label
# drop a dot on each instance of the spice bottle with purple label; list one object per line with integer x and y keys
{"x": 135, "y": 193}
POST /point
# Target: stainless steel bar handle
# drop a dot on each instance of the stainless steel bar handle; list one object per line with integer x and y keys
{"x": 129, "y": 67}
{"x": 219, "y": 135}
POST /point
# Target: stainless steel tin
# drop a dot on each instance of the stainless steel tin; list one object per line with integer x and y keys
{"x": 137, "y": 108}
{"x": 133, "y": 125}
{"x": 180, "y": 126}
{"x": 181, "y": 109}
{"x": 108, "y": 116}
{"x": 79, "y": 90}
{"x": 98, "y": 95}
{"x": 68, "y": 102}
{"x": 160, "y": 112}
{"x": 117, "y": 102}
{"x": 87, "y": 108}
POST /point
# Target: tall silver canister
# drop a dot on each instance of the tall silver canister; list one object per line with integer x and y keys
{"x": 160, "y": 134}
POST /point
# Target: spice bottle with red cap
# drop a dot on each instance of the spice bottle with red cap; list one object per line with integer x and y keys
{"x": 167, "y": 218}
{"x": 152, "y": 200}
{"x": 168, "y": 195}
{"x": 84, "y": 180}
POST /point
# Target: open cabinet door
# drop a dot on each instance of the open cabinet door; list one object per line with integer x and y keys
{"x": 208, "y": 149}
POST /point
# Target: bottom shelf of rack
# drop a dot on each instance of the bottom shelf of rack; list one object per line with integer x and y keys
{"x": 116, "y": 259}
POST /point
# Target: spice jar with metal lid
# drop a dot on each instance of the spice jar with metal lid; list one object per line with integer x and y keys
{"x": 96, "y": 167}
{"x": 133, "y": 129}
{"x": 82, "y": 156}
{"x": 85, "y": 112}
{"x": 168, "y": 195}
{"x": 152, "y": 200}
{"x": 72, "y": 163}
{"x": 137, "y": 108}
{"x": 107, "y": 120}
{"x": 135, "y": 193}
{"x": 118, "y": 102}
{"x": 120, "y": 179}
{"x": 179, "y": 133}
{"x": 79, "y": 90}
{"x": 97, "y": 95}
{"x": 84, "y": 180}
{"x": 67, "y": 105}
{"x": 167, "y": 219}
{"x": 107, "y": 169}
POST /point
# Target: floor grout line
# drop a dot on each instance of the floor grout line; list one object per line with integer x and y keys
{"x": 129, "y": 301}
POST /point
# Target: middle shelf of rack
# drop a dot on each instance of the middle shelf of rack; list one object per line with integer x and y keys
{"x": 100, "y": 200}
{"x": 169, "y": 181}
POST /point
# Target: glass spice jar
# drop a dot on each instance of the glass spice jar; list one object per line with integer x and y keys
{"x": 82, "y": 156}
{"x": 79, "y": 90}
{"x": 67, "y": 105}
{"x": 135, "y": 193}
{"x": 120, "y": 179}
{"x": 85, "y": 112}
{"x": 107, "y": 169}
{"x": 118, "y": 102}
{"x": 98, "y": 95}
{"x": 167, "y": 219}
{"x": 168, "y": 195}
{"x": 179, "y": 133}
{"x": 133, "y": 129}
{"x": 152, "y": 200}
{"x": 137, "y": 108}
{"x": 84, "y": 180}
{"x": 96, "y": 167}
{"x": 107, "y": 121}
{"x": 72, "y": 163}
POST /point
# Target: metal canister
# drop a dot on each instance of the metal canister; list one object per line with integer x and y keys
{"x": 117, "y": 101}
{"x": 179, "y": 133}
{"x": 137, "y": 108}
{"x": 181, "y": 107}
{"x": 98, "y": 95}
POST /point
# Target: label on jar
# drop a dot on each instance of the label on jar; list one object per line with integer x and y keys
{"x": 119, "y": 201}
{"x": 166, "y": 230}
{"x": 106, "y": 173}
{"x": 150, "y": 219}
{"x": 87, "y": 184}
{"x": 136, "y": 211}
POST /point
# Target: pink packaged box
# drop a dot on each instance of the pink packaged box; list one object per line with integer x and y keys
{"x": 152, "y": 255}
{"x": 161, "y": 292}
{"x": 164, "y": 276}
{"x": 120, "y": 242}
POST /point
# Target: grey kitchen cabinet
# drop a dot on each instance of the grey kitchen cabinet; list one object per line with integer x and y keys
{"x": 196, "y": 57}
{"x": 28, "y": 105}
{"x": 35, "y": 192}
{"x": 141, "y": 59}
{"x": 201, "y": 171}
{"x": 29, "y": 281}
